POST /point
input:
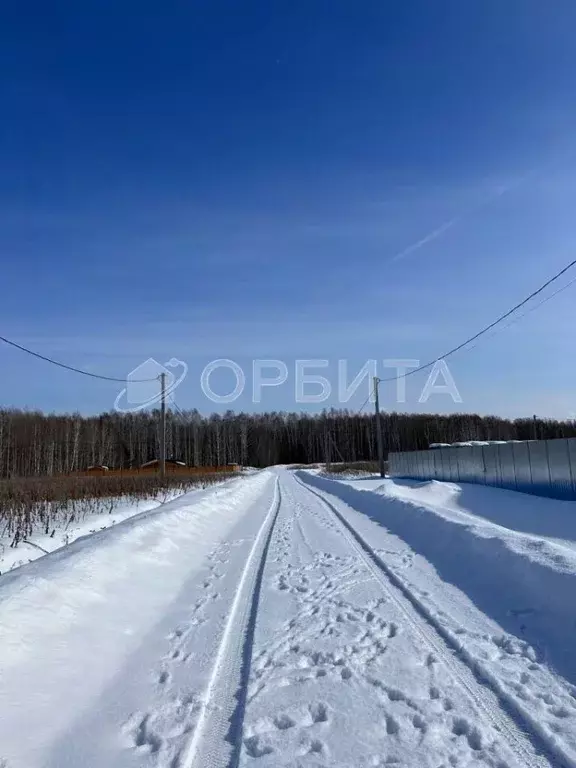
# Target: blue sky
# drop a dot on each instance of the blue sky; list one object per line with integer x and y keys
{"x": 287, "y": 180}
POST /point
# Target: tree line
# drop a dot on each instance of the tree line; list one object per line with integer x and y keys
{"x": 35, "y": 444}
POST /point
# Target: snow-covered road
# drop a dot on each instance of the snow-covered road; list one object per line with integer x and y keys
{"x": 285, "y": 619}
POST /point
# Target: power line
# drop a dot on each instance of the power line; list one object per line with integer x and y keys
{"x": 492, "y": 325}
{"x": 179, "y": 410}
{"x": 364, "y": 404}
{"x": 333, "y": 444}
{"x": 389, "y": 378}
{"x": 71, "y": 367}
{"x": 488, "y": 327}
{"x": 528, "y": 311}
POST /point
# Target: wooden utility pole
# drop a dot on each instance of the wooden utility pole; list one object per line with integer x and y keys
{"x": 327, "y": 450}
{"x": 379, "y": 440}
{"x": 162, "y": 462}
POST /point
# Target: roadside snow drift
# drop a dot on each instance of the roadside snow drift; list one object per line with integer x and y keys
{"x": 525, "y": 582}
{"x": 69, "y": 621}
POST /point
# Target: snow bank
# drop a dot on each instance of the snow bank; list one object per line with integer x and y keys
{"x": 40, "y": 544}
{"x": 524, "y": 581}
{"x": 70, "y": 620}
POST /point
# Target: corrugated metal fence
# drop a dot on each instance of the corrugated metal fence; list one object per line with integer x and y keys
{"x": 541, "y": 467}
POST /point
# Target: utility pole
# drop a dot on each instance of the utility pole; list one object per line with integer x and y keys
{"x": 379, "y": 440}
{"x": 327, "y": 450}
{"x": 162, "y": 462}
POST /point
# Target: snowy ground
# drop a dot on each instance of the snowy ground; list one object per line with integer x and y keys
{"x": 286, "y": 619}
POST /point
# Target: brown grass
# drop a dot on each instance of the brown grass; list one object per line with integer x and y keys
{"x": 355, "y": 468}
{"x": 32, "y": 504}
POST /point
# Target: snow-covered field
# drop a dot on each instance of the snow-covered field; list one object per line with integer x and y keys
{"x": 288, "y": 619}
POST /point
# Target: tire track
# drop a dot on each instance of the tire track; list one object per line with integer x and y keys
{"x": 217, "y": 737}
{"x": 531, "y": 748}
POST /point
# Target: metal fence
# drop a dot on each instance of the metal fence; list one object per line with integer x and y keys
{"x": 541, "y": 467}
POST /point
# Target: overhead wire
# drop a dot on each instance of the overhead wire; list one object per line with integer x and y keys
{"x": 364, "y": 404}
{"x": 71, "y": 367}
{"x": 528, "y": 311}
{"x": 178, "y": 409}
{"x": 490, "y": 326}
{"x": 427, "y": 365}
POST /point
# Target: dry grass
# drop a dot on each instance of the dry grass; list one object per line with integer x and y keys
{"x": 355, "y": 468}
{"x": 32, "y": 504}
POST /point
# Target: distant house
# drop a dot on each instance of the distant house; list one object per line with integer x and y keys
{"x": 173, "y": 466}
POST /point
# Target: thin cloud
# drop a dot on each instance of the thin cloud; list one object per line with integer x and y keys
{"x": 427, "y": 239}
{"x": 439, "y": 231}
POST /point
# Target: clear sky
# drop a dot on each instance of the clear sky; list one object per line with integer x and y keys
{"x": 302, "y": 179}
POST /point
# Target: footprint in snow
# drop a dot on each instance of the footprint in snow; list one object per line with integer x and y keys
{"x": 256, "y": 747}
{"x": 461, "y": 727}
{"x": 142, "y": 735}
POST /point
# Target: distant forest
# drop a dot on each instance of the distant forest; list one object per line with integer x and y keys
{"x": 33, "y": 443}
